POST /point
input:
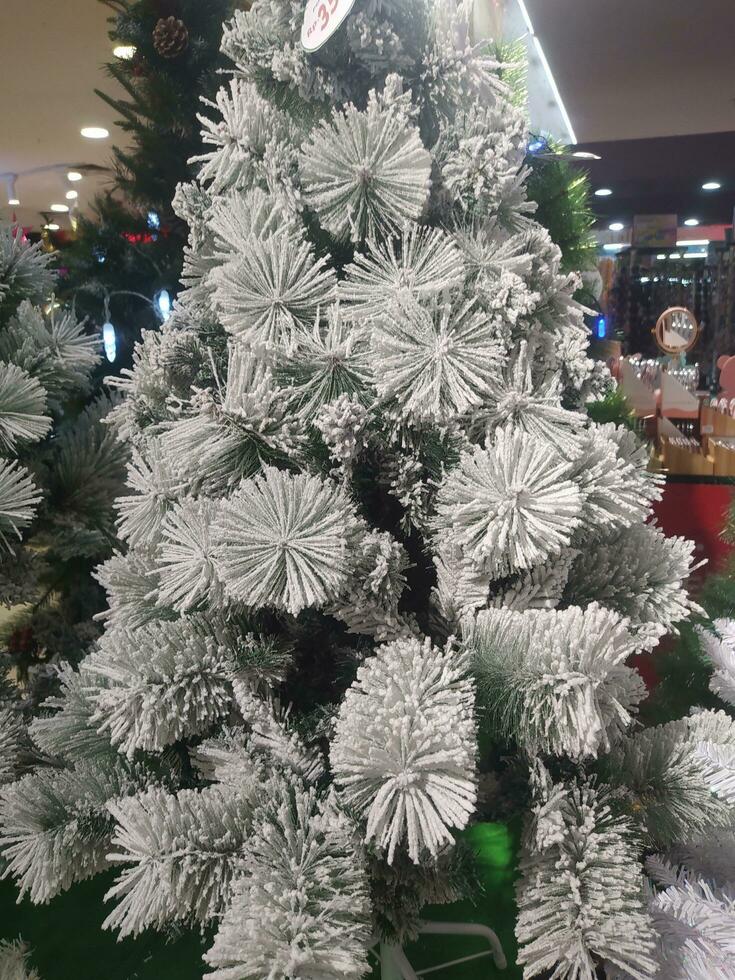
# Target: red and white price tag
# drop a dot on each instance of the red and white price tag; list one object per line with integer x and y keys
{"x": 321, "y": 20}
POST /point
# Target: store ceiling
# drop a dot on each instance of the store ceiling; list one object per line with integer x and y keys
{"x": 627, "y": 70}
{"x": 636, "y": 69}
{"x": 51, "y": 55}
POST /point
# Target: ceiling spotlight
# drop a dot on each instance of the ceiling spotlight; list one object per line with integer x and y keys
{"x": 51, "y": 226}
{"x": 124, "y": 51}
{"x": 60, "y": 208}
{"x": 73, "y": 176}
{"x": 711, "y": 185}
{"x": 94, "y": 132}
{"x": 72, "y": 195}
{"x": 13, "y": 199}
{"x": 616, "y": 226}
{"x": 691, "y": 222}
{"x": 603, "y": 192}
{"x": 586, "y": 155}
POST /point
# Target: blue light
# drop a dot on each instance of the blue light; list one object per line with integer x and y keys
{"x": 537, "y": 145}
{"x": 601, "y": 327}
{"x": 162, "y": 304}
{"x": 154, "y": 220}
{"x": 109, "y": 341}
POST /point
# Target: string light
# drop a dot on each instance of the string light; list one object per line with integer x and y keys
{"x": 162, "y": 304}
{"x": 109, "y": 340}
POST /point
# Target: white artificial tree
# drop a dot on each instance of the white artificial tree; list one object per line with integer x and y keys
{"x": 368, "y": 516}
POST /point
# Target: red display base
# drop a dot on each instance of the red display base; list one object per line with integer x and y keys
{"x": 697, "y": 510}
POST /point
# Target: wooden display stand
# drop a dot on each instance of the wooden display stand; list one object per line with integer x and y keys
{"x": 724, "y": 459}
{"x": 716, "y": 423}
{"x": 685, "y": 461}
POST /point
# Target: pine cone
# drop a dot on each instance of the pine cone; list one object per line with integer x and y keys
{"x": 170, "y": 37}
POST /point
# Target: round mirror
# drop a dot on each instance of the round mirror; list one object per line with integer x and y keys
{"x": 677, "y": 330}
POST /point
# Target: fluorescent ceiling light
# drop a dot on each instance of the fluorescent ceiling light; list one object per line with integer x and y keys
{"x": 616, "y": 226}
{"x": 615, "y": 246}
{"x": 691, "y": 222}
{"x": 94, "y": 132}
{"x": 72, "y": 195}
{"x": 692, "y": 242}
{"x": 712, "y": 185}
{"x": 675, "y": 255}
{"x": 603, "y": 192}
{"x": 60, "y": 208}
{"x": 547, "y": 70}
{"x": 661, "y": 255}
{"x": 695, "y": 255}
{"x": 73, "y": 176}
{"x": 586, "y": 155}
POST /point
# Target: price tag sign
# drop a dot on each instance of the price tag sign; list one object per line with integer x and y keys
{"x": 321, "y": 20}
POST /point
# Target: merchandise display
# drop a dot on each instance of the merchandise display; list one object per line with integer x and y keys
{"x": 399, "y": 672}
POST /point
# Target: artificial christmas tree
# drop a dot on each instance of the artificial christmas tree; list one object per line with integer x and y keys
{"x": 383, "y": 576}
{"x": 130, "y": 247}
{"x": 60, "y": 472}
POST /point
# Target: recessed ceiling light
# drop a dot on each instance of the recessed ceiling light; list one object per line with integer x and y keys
{"x": 13, "y": 202}
{"x": 616, "y": 226}
{"x": 711, "y": 185}
{"x": 691, "y": 222}
{"x": 586, "y": 155}
{"x": 124, "y": 51}
{"x": 51, "y": 226}
{"x": 72, "y": 195}
{"x": 73, "y": 176}
{"x": 95, "y": 132}
{"x": 60, "y": 208}
{"x": 603, "y": 192}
